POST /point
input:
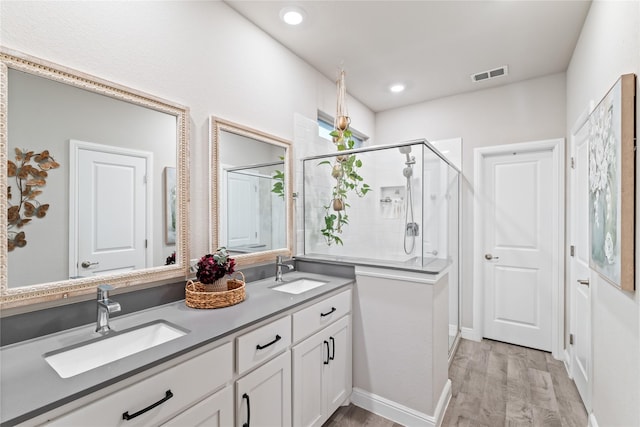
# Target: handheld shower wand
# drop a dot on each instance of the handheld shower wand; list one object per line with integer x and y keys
{"x": 411, "y": 227}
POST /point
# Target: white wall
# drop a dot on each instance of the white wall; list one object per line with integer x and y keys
{"x": 200, "y": 54}
{"x": 519, "y": 112}
{"x": 609, "y": 46}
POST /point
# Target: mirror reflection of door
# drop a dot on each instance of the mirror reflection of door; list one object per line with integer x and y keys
{"x": 243, "y": 201}
{"x": 109, "y": 220}
{"x": 253, "y": 214}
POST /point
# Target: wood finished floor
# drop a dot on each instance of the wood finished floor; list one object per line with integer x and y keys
{"x": 496, "y": 384}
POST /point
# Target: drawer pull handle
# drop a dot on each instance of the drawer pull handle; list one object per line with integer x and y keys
{"x": 262, "y": 347}
{"x": 328, "y": 313}
{"x": 168, "y": 395}
{"x": 333, "y": 348}
{"x": 246, "y": 396}
{"x": 326, "y": 343}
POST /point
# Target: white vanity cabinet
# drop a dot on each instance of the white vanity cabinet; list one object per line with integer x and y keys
{"x": 290, "y": 369}
{"x": 322, "y": 363}
{"x": 157, "y": 398}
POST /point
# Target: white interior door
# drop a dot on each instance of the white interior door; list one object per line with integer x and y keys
{"x": 517, "y": 241}
{"x": 579, "y": 265}
{"x": 243, "y": 202}
{"x": 109, "y": 204}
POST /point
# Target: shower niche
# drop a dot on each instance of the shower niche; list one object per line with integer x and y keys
{"x": 409, "y": 219}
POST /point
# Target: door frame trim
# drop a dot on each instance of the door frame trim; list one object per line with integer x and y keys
{"x": 570, "y": 350}
{"x": 557, "y": 147}
{"x": 75, "y": 146}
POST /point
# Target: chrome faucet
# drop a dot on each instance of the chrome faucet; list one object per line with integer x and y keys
{"x": 279, "y": 265}
{"x": 105, "y": 307}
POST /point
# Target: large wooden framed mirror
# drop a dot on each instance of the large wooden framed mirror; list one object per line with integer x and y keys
{"x": 251, "y": 193}
{"x": 94, "y": 184}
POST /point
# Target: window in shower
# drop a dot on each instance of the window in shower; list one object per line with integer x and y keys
{"x": 325, "y": 127}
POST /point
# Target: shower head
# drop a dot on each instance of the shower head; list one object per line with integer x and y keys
{"x": 406, "y": 149}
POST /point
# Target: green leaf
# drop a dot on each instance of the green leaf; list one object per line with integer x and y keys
{"x": 334, "y": 133}
{"x": 325, "y": 162}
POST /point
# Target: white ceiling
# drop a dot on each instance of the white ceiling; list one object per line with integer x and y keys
{"x": 431, "y": 46}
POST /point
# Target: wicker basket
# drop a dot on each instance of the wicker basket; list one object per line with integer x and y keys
{"x": 198, "y": 297}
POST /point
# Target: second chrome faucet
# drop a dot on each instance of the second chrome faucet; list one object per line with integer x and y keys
{"x": 279, "y": 265}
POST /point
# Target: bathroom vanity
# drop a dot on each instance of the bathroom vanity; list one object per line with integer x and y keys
{"x": 235, "y": 365}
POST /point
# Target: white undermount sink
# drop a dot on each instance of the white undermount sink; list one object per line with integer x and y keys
{"x": 299, "y": 286}
{"x": 82, "y": 358}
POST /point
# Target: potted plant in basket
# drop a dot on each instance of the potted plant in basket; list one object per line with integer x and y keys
{"x": 213, "y": 269}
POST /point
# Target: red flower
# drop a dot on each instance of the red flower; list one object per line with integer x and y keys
{"x": 212, "y": 267}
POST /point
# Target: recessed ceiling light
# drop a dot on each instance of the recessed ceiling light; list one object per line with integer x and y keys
{"x": 396, "y": 88}
{"x": 292, "y": 15}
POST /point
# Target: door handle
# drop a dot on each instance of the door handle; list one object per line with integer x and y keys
{"x": 489, "y": 257}
{"x": 87, "y": 264}
{"x": 584, "y": 282}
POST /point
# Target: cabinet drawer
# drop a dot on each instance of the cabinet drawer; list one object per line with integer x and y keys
{"x": 263, "y": 343}
{"x": 216, "y": 410}
{"x": 319, "y": 315}
{"x": 178, "y": 386}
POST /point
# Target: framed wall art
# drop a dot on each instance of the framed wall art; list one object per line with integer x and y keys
{"x": 612, "y": 185}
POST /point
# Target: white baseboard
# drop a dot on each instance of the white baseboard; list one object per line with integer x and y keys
{"x": 453, "y": 330}
{"x": 471, "y": 334}
{"x": 592, "y": 421}
{"x": 399, "y": 413}
{"x": 567, "y": 362}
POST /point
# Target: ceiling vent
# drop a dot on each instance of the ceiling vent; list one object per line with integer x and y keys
{"x": 492, "y": 74}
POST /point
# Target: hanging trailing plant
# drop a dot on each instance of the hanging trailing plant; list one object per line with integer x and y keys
{"x": 345, "y": 169}
{"x": 29, "y": 181}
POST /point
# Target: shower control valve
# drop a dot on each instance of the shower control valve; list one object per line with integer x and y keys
{"x": 413, "y": 229}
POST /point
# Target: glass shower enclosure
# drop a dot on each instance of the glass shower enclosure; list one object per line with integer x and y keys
{"x": 392, "y": 206}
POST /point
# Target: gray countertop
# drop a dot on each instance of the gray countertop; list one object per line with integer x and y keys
{"x": 30, "y": 387}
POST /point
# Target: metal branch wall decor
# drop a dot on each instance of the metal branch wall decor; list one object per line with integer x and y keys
{"x": 29, "y": 178}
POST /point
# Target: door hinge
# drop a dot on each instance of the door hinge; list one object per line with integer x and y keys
{"x": 570, "y": 339}
{"x": 572, "y": 250}
{"x": 573, "y": 163}
{"x": 146, "y": 243}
